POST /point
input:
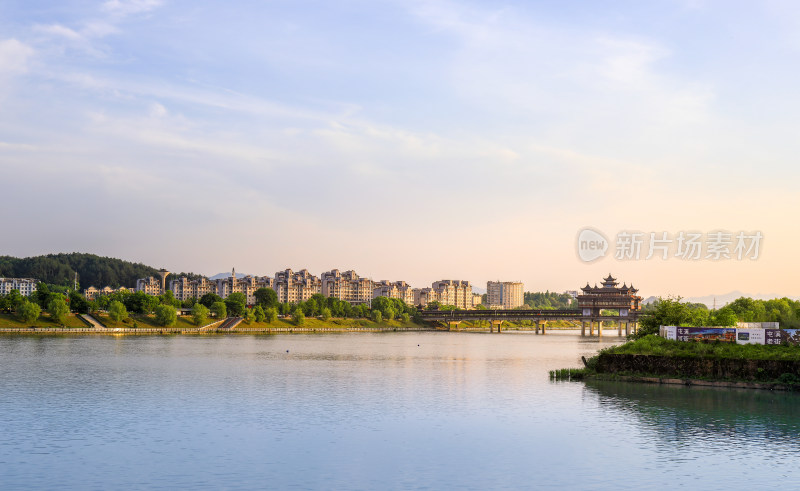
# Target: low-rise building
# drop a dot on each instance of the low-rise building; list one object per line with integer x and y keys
{"x": 25, "y": 286}
{"x": 504, "y": 294}
{"x": 92, "y": 293}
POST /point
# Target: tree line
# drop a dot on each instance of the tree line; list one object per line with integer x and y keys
{"x": 267, "y": 308}
{"x": 672, "y": 311}
{"x": 60, "y": 269}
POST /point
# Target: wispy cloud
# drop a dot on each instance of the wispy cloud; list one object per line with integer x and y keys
{"x": 14, "y": 57}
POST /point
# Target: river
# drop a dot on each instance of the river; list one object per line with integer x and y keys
{"x": 422, "y": 410}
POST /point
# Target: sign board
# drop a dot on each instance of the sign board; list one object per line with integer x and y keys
{"x": 706, "y": 334}
{"x": 750, "y": 336}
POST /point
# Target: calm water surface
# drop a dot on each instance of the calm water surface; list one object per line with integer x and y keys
{"x": 370, "y": 411}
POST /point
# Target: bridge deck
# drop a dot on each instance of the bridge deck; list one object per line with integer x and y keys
{"x": 532, "y": 314}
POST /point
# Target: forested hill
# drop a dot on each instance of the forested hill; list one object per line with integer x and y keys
{"x": 59, "y": 269}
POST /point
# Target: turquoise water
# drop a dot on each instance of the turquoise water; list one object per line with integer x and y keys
{"x": 370, "y": 411}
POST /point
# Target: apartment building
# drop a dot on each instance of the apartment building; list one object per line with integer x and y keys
{"x": 25, "y": 286}
{"x": 149, "y": 285}
{"x": 347, "y": 286}
{"x": 246, "y": 285}
{"x": 504, "y": 294}
{"x": 398, "y": 289}
{"x": 183, "y": 288}
{"x": 477, "y": 299}
{"x": 424, "y": 296}
{"x": 296, "y": 287}
{"x": 454, "y": 292}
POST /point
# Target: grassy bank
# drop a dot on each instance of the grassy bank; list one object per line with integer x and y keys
{"x": 12, "y": 321}
{"x": 657, "y": 360}
{"x": 147, "y": 321}
{"x": 342, "y": 324}
{"x": 658, "y": 346}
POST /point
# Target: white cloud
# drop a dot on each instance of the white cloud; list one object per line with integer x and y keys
{"x": 14, "y": 56}
{"x": 128, "y": 7}
{"x": 59, "y": 30}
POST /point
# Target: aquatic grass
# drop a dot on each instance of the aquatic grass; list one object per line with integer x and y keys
{"x": 568, "y": 374}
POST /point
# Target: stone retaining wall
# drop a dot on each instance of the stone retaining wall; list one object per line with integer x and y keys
{"x": 757, "y": 370}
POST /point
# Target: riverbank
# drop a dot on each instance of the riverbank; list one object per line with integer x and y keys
{"x": 141, "y": 324}
{"x": 653, "y": 359}
{"x": 147, "y": 324}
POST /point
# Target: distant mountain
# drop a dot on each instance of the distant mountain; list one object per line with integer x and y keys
{"x": 221, "y": 276}
{"x": 60, "y": 269}
{"x": 726, "y": 298}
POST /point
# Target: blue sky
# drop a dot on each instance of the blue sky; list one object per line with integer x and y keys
{"x": 413, "y": 140}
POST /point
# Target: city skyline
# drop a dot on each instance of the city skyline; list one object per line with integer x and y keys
{"x": 408, "y": 140}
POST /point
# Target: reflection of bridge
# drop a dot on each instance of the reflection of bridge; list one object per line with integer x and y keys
{"x": 592, "y": 302}
{"x": 497, "y": 317}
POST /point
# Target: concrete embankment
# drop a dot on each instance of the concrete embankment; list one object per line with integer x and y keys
{"x": 696, "y": 368}
{"x": 211, "y": 329}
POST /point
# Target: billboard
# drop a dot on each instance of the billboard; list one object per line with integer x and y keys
{"x": 750, "y": 336}
{"x": 724, "y": 334}
{"x": 730, "y": 334}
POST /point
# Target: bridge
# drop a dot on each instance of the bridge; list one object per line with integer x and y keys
{"x": 592, "y": 302}
{"x": 539, "y": 316}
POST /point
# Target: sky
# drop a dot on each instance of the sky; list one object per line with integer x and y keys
{"x": 407, "y": 140}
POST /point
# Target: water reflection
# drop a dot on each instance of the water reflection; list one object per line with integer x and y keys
{"x": 681, "y": 417}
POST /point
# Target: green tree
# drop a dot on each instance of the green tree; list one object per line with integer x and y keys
{"x": 28, "y": 311}
{"x": 390, "y": 313}
{"x": 15, "y": 298}
{"x": 209, "y": 299}
{"x": 78, "y": 303}
{"x": 310, "y": 307}
{"x": 377, "y": 316}
{"x": 199, "y": 314}
{"x": 236, "y": 304}
{"x": 406, "y": 318}
{"x": 299, "y": 317}
{"x": 258, "y": 313}
{"x": 270, "y": 315}
{"x": 168, "y": 298}
{"x": 266, "y": 297}
{"x": 326, "y": 314}
{"x": 219, "y": 309}
{"x": 724, "y": 317}
{"x": 665, "y": 312}
{"x": 58, "y": 309}
{"x": 117, "y": 311}
{"x": 166, "y": 315}
{"x": 5, "y": 303}
{"x": 248, "y": 315}
{"x": 41, "y": 295}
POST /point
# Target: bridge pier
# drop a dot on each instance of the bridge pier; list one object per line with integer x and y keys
{"x": 619, "y": 328}
{"x": 583, "y": 328}
{"x": 543, "y": 328}
{"x": 627, "y": 328}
